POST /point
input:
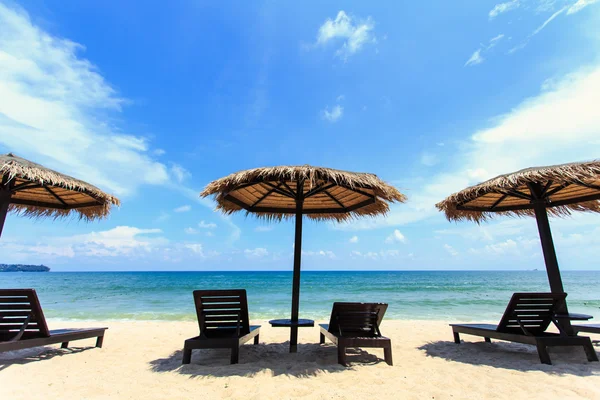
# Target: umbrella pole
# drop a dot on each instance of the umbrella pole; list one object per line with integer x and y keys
{"x": 541, "y": 217}
{"x": 556, "y": 286}
{"x": 296, "y": 277}
{"x": 4, "y": 202}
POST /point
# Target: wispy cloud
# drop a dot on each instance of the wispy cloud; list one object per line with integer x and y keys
{"x": 179, "y": 172}
{"x": 334, "y": 115}
{"x": 53, "y": 109}
{"x": 580, "y": 5}
{"x": 503, "y": 7}
{"x": 353, "y": 239}
{"x": 475, "y": 58}
{"x": 450, "y": 250}
{"x": 207, "y": 225}
{"x": 190, "y": 231}
{"x": 263, "y": 228}
{"x": 181, "y": 209}
{"x": 259, "y": 252}
{"x": 352, "y": 33}
{"x": 546, "y": 22}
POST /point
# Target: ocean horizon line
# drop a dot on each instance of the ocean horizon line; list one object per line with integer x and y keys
{"x": 329, "y": 270}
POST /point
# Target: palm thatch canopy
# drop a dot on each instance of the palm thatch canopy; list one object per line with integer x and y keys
{"x": 326, "y": 193}
{"x": 561, "y": 188}
{"x": 37, "y": 191}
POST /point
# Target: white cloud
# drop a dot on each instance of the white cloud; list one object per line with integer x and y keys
{"x": 450, "y": 250}
{"x": 353, "y": 34}
{"x": 54, "y": 106}
{"x": 475, "y": 58}
{"x": 195, "y": 248}
{"x": 502, "y": 8}
{"x": 256, "y": 253}
{"x": 207, "y": 225}
{"x": 320, "y": 253}
{"x": 158, "y": 152}
{"x": 353, "y": 239}
{"x": 580, "y": 5}
{"x": 333, "y": 115}
{"x": 181, "y": 209}
{"x": 378, "y": 255}
{"x": 396, "y": 237}
{"x": 190, "y": 231}
{"x": 180, "y": 173}
{"x": 263, "y": 228}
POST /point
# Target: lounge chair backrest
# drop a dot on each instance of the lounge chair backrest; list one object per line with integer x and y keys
{"x": 16, "y": 307}
{"x": 220, "y": 310}
{"x": 530, "y": 313}
{"x": 356, "y": 318}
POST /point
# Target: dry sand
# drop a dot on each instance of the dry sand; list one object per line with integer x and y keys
{"x": 142, "y": 360}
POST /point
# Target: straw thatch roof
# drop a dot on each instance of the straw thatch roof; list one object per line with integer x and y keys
{"x": 563, "y": 189}
{"x": 327, "y": 193}
{"x": 41, "y": 192}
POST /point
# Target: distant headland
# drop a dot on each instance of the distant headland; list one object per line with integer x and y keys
{"x": 23, "y": 268}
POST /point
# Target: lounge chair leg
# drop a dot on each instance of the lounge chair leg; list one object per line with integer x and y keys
{"x": 64, "y": 345}
{"x": 387, "y": 354}
{"x": 187, "y": 356}
{"x": 590, "y": 352}
{"x": 235, "y": 354}
{"x": 456, "y": 337}
{"x": 488, "y": 340}
{"x": 342, "y": 355}
{"x": 256, "y": 339}
{"x": 321, "y": 339}
{"x": 99, "y": 341}
{"x": 543, "y": 353}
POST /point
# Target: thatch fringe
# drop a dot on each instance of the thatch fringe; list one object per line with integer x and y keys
{"x": 312, "y": 176}
{"x": 572, "y": 173}
{"x": 17, "y": 168}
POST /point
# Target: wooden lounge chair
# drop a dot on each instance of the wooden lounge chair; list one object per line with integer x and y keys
{"x": 525, "y": 320}
{"x": 224, "y": 323}
{"x": 356, "y": 325}
{"x": 22, "y": 324}
{"x": 588, "y": 328}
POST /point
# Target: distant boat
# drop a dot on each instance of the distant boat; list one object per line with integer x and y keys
{"x": 23, "y": 268}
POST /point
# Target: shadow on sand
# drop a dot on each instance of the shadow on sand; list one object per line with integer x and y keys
{"x": 515, "y": 356}
{"x": 272, "y": 358}
{"x": 26, "y": 356}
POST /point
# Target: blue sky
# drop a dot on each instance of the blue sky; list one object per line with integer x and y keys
{"x": 151, "y": 103}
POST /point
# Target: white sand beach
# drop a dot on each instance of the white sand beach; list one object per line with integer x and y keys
{"x": 142, "y": 360}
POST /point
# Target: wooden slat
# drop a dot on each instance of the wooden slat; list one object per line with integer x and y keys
{"x": 208, "y": 300}
{"x": 218, "y": 306}
{"x": 218, "y": 324}
{"x": 13, "y": 313}
{"x": 5, "y": 327}
{"x": 219, "y": 312}
{"x": 22, "y": 306}
{"x": 14, "y": 300}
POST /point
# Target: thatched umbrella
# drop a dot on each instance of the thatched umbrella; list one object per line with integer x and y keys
{"x": 293, "y": 191}
{"x": 557, "y": 190}
{"x": 33, "y": 190}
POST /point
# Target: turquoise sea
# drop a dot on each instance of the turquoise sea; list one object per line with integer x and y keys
{"x": 447, "y": 295}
